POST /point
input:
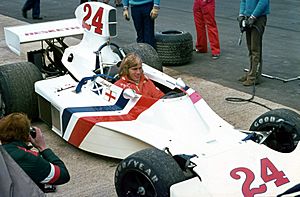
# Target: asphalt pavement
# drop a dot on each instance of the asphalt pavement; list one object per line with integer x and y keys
{"x": 281, "y": 43}
{"x": 92, "y": 175}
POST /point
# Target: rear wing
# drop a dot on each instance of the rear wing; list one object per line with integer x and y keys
{"x": 97, "y": 20}
{"x": 17, "y": 35}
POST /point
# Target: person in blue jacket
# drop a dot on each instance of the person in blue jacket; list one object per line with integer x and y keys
{"x": 143, "y": 13}
{"x": 253, "y": 19}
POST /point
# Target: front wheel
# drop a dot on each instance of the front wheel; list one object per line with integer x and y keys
{"x": 284, "y": 125}
{"x": 17, "y": 89}
{"x": 149, "y": 172}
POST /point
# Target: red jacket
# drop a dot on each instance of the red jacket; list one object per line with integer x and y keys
{"x": 146, "y": 87}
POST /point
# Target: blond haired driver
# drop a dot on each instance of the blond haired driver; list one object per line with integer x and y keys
{"x": 132, "y": 76}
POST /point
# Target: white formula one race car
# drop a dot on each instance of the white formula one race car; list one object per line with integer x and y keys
{"x": 173, "y": 146}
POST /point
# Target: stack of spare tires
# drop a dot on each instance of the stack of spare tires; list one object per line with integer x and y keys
{"x": 174, "y": 47}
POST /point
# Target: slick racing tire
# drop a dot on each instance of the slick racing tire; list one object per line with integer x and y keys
{"x": 149, "y": 172}
{"x": 174, "y": 48}
{"x": 146, "y": 52}
{"x": 17, "y": 89}
{"x": 285, "y": 127}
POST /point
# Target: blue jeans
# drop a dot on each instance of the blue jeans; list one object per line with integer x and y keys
{"x": 34, "y": 5}
{"x": 143, "y": 23}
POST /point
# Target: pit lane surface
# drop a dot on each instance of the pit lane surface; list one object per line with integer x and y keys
{"x": 92, "y": 175}
{"x": 281, "y": 45}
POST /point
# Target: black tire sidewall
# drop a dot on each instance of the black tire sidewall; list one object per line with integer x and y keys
{"x": 17, "y": 87}
{"x": 147, "y": 53}
{"x": 274, "y": 118}
{"x": 157, "y": 166}
{"x": 174, "y": 47}
{"x": 172, "y": 36}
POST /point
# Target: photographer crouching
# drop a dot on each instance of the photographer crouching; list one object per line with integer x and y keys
{"x": 42, "y": 166}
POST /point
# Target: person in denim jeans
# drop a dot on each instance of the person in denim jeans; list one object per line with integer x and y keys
{"x": 118, "y": 3}
{"x": 144, "y": 13}
{"x": 35, "y": 6}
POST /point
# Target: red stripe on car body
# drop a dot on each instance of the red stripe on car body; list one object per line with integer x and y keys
{"x": 85, "y": 124}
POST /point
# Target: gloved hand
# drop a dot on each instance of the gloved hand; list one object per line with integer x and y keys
{"x": 240, "y": 19}
{"x": 250, "y": 21}
{"x": 154, "y": 12}
{"x": 126, "y": 14}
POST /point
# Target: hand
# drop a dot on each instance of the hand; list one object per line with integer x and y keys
{"x": 154, "y": 12}
{"x": 126, "y": 14}
{"x": 250, "y": 21}
{"x": 38, "y": 141}
{"x": 240, "y": 19}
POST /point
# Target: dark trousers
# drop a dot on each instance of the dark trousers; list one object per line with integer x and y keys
{"x": 254, "y": 38}
{"x": 84, "y": 1}
{"x": 34, "y": 5}
{"x": 143, "y": 23}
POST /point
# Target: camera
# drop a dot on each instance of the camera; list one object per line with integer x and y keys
{"x": 49, "y": 188}
{"x": 32, "y": 132}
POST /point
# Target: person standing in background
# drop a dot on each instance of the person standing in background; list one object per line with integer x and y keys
{"x": 118, "y": 3}
{"x": 84, "y": 1}
{"x": 253, "y": 19}
{"x": 144, "y": 13}
{"x": 35, "y": 6}
{"x": 205, "y": 23}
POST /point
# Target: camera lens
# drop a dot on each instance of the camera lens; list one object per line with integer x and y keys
{"x": 32, "y": 132}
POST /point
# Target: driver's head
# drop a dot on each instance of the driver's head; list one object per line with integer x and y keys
{"x": 14, "y": 126}
{"x": 131, "y": 66}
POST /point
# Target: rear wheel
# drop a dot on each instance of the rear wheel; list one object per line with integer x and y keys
{"x": 149, "y": 172}
{"x": 285, "y": 127}
{"x": 17, "y": 89}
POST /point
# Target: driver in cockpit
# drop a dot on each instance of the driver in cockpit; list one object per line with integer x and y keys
{"x": 132, "y": 76}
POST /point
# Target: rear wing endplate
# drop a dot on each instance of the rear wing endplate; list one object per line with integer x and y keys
{"x": 17, "y": 35}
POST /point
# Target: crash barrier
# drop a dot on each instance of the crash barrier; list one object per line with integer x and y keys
{"x": 174, "y": 47}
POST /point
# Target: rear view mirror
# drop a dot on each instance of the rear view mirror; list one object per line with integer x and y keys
{"x": 129, "y": 94}
{"x": 180, "y": 83}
